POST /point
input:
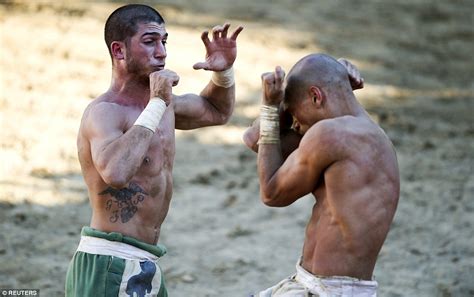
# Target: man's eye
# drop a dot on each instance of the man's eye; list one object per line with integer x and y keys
{"x": 148, "y": 41}
{"x": 164, "y": 42}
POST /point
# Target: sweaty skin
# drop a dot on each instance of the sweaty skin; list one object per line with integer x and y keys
{"x": 127, "y": 168}
{"x": 344, "y": 159}
{"x": 357, "y": 191}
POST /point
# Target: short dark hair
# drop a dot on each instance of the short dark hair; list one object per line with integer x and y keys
{"x": 121, "y": 25}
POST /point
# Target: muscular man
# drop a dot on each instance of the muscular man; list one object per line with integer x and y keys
{"x": 126, "y": 145}
{"x": 344, "y": 159}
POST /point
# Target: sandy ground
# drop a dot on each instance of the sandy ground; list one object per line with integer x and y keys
{"x": 416, "y": 57}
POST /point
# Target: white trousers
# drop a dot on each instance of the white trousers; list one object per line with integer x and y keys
{"x": 305, "y": 284}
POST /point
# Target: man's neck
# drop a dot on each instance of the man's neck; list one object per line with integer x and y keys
{"x": 348, "y": 106}
{"x": 131, "y": 89}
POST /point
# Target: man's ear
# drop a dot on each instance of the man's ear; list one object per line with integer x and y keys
{"x": 118, "y": 50}
{"x": 317, "y": 96}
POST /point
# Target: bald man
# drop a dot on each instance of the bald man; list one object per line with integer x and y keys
{"x": 344, "y": 159}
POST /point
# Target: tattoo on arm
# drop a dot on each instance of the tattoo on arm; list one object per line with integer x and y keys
{"x": 123, "y": 203}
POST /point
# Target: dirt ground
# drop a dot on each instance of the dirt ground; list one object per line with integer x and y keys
{"x": 415, "y": 56}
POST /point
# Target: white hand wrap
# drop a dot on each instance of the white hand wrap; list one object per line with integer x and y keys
{"x": 151, "y": 115}
{"x": 269, "y": 125}
{"x": 224, "y": 78}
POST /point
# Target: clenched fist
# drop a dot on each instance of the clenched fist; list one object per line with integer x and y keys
{"x": 161, "y": 84}
{"x": 272, "y": 85}
{"x": 355, "y": 78}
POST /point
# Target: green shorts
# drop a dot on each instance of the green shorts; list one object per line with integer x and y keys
{"x": 110, "y": 264}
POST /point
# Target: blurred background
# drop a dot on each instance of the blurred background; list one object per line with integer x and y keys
{"x": 415, "y": 57}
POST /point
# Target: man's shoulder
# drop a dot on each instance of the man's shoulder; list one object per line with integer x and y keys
{"x": 327, "y": 129}
{"x": 324, "y": 136}
{"x": 335, "y": 135}
{"x": 105, "y": 106}
{"x": 103, "y": 112}
{"x": 346, "y": 126}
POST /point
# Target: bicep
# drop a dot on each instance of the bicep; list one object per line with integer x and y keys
{"x": 296, "y": 177}
{"x": 100, "y": 140}
{"x": 102, "y": 128}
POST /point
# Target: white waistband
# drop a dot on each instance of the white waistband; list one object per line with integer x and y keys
{"x": 326, "y": 286}
{"x": 100, "y": 246}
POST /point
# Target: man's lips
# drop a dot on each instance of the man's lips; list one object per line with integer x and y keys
{"x": 158, "y": 67}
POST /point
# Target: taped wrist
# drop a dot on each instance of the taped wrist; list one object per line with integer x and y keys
{"x": 152, "y": 114}
{"x": 224, "y": 78}
{"x": 269, "y": 125}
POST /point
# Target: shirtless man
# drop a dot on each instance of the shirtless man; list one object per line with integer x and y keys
{"x": 126, "y": 146}
{"x": 344, "y": 159}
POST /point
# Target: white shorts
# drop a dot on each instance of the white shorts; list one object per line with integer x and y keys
{"x": 305, "y": 284}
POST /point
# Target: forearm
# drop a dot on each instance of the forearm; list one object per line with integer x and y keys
{"x": 220, "y": 94}
{"x": 289, "y": 139}
{"x": 269, "y": 157}
{"x": 121, "y": 159}
{"x": 221, "y": 102}
{"x": 269, "y": 160}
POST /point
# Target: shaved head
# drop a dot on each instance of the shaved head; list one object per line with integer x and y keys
{"x": 318, "y": 70}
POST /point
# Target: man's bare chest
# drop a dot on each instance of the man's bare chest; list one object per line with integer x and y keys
{"x": 161, "y": 150}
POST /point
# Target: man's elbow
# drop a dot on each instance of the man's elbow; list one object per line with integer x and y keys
{"x": 271, "y": 198}
{"x": 116, "y": 181}
{"x": 220, "y": 115}
{"x": 250, "y": 139}
{"x": 268, "y": 201}
{"x": 114, "y": 177}
{"x": 219, "y": 118}
{"x": 224, "y": 118}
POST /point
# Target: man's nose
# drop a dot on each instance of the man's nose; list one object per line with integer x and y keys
{"x": 160, "y": 51}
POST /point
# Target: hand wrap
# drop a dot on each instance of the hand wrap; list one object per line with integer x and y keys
{"x": 152, "y": 114}
{"x": 269, "y": 125}
{"x": 224, "y": 78}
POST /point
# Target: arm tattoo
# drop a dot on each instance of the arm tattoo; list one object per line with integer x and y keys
{"x": 125, "y": 201}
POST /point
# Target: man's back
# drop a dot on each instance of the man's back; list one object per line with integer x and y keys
{"x": 357, "y": 195}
